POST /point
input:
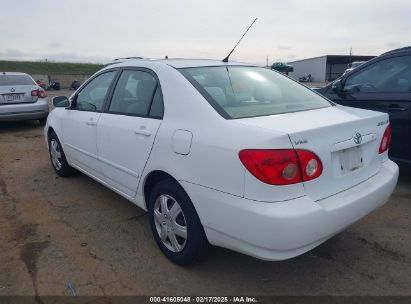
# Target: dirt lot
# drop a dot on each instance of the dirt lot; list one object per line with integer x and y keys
{"x": 57, "y": 232}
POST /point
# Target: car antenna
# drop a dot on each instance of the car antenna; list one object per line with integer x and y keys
{"x": 226, "y": 58}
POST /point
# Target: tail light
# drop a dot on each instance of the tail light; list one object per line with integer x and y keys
{"x": 386, "y": 140}
{"x": 311, "y": 166}
{"x": 281, "y": 167}
{"x": 40, "y": 93}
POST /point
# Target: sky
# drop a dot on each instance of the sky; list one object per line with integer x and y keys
{"x": 99, "y": 31}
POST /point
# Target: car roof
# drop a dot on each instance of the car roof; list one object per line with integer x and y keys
{"x": 188, "y": 63}
{"x": 403, "y": 49}
{"x": 176, "y": 62}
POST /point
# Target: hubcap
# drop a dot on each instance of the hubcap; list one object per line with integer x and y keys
{"x": 55, "y": 154}
{"x": 170, "y": 223}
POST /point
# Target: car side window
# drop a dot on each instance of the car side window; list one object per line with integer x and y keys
{"x": 392, "y": 75}
{"x": 135, "y": 94}
{"x": 92, "y": 96}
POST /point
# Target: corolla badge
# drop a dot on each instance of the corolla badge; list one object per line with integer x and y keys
{"x": 12, "y": 90}
{"x": 301, "y": 141}
{"x": 357, "y": 138}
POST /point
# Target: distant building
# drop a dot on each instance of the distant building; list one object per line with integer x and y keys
{"x": 324, "y": 68}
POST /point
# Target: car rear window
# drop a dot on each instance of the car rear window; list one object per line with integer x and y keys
{"x": 242, "y": 91}
{"x": 14, "y": 80}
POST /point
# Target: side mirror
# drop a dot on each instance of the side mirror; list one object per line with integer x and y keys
{"x": 337, "y": 86}
{"x": 61, "y": 102}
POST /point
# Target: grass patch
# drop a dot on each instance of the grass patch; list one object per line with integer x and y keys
{"x": 32, "y": 67}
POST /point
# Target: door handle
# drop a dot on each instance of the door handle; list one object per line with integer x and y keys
{"x": 143, "y": 132}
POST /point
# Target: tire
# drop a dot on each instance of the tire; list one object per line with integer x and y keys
{"x": 58, "y": 158}
{"x": 172, "y": 222}
{"x": 43, "y": 121}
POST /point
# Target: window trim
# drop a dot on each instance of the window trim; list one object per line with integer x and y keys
{"x": 106, "y": 108}
{"x": 74, "y": 98}
{"x": 370, "y": 64}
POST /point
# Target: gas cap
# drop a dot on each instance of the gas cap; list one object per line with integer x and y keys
{"x": 182, "y": 141}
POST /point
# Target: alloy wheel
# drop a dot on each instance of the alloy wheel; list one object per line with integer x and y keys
{"x": 55, "y": 154}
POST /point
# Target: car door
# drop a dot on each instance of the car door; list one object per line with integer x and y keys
{"x": 384, "y": 86}
{"x": 79, "y": 123}
{"x": 127, "y": 129}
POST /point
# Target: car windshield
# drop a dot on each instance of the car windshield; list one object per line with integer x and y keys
{"x": 14, "y": 80}
{"x": 242, "y": 91}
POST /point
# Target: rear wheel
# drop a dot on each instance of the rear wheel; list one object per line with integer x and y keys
{"x": 58, "y": 158}
{"x": 175, "y": 224}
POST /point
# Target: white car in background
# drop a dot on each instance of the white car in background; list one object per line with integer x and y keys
{"x": 21, "y": 98}
{"x": 224, "y": 153}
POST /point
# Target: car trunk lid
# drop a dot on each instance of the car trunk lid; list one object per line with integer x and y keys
{"x": 10, "y": 94}
{"x": 345, "y": 139}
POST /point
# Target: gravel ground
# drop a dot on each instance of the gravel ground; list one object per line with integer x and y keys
{"x": 55, "y": 232}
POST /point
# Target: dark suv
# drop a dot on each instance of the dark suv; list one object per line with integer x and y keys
{"x": 381, "y": 84}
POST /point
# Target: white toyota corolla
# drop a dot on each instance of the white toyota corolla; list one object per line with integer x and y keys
{"x": 224, "y": 153}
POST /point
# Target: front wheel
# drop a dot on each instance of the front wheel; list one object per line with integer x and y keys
{"x": 58, "y": 158}
{"x": 175, "y": 224}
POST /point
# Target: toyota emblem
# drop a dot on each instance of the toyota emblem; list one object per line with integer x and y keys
{"x": 357, "y": 138}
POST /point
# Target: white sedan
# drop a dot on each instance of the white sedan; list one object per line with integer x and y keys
{"x": 21, "y": 98}
{"x": 227, "y": 154}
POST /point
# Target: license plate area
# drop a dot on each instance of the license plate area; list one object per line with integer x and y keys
{"x": 10, "y": 98}
{"x": 351, "y": 159}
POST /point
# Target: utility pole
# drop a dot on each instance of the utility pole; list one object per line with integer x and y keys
{"x": 267, "y": 61}
{"x": 350, "y": 56}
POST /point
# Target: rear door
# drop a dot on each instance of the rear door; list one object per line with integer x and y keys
{"x": 127, "y": 129}
{"x": 79, "y": 124}
{"x": 384, "y": 86}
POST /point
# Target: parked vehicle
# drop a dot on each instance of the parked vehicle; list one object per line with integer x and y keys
{"x": 21, "y": 98}
{"x": 282, "y": 67}
{"x": 233, "y": 155}
{"x": 353, "y": 66}
{"x": 54, "y": 86}
{"x": 381, "y": 84}
{"x": 75, "y": 85}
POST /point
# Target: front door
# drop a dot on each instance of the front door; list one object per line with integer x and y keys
{"x": 126, "y": 132}
{"x": 79, "y": 124}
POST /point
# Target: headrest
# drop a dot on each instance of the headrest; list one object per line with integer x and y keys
{"x": 218, "y": 95}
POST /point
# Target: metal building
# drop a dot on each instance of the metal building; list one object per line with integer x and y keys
{"x": 324, "y": 68}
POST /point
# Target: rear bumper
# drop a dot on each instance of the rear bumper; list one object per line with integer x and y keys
{"x": 278, "y": 231}
{"x": 24, "y": 111}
